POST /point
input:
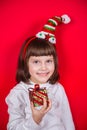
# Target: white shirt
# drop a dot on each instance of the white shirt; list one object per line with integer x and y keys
{"x": 59, "y": 116}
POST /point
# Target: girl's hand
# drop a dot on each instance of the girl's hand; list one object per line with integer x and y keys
{"x": 39, "y": 114}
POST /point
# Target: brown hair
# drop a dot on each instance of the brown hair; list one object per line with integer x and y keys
{"x": 35, "y": 47}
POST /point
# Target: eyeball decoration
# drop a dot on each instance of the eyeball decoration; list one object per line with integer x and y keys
{"x": 52, "y": 40}
{"x": 48, "y": 31}
{"x": 41, "y": 35}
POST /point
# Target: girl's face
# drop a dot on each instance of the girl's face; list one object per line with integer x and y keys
{"x": 41, "y": 68}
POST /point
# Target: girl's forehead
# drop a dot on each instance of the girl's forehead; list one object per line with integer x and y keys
{"x": 41, "y": 57}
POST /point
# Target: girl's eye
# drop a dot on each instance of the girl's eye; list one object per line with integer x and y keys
{"x": 36, "y": 61}
{"x": 49, "y": 61}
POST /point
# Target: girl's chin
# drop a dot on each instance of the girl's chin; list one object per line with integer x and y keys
{"x": 40, "y": 81}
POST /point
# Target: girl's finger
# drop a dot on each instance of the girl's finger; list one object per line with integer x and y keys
{"x": 32, "y": 106}
{"x": 44, "y": 104}
{"x": 49, "y": 106}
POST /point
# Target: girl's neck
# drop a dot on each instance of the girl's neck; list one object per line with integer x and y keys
{"x": 32, "y": 82}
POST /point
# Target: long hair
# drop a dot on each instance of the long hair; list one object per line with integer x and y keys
{"x": 35, "y": 47}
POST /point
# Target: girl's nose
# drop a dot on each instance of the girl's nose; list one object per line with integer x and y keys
{"x": 43, "y": 66}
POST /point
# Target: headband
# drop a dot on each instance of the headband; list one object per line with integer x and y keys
{"x": 48, "y": 30}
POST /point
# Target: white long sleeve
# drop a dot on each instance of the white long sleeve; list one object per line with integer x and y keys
{"x": 20, "y": 114}
{"x": 66, "y": 115}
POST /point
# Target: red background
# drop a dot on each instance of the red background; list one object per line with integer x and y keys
{"x": 18, "y": 21}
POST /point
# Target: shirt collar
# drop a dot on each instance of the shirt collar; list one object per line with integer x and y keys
{"x": 31, "y": 85}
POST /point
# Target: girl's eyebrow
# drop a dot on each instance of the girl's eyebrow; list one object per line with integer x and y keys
{"x": 50, "y": 58}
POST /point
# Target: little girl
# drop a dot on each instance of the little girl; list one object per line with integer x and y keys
{"x": 38, "y": 64}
